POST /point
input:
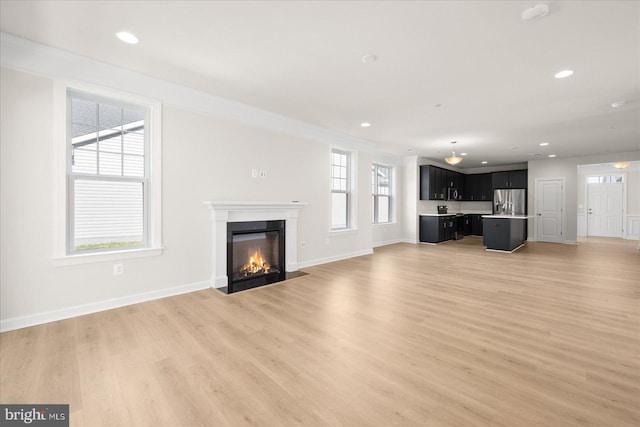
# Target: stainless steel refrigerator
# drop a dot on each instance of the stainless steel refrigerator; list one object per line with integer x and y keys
{"x": 510, "y": 202}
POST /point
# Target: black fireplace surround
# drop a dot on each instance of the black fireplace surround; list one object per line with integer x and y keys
{"x": 255, "y": 254}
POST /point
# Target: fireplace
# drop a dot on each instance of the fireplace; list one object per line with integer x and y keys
{"x": 225, "y": 213}
{"x": 255, "y": 254}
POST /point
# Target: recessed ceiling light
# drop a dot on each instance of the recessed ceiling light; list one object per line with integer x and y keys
{"x": 617, "y": 104}
{"x": 552, "y": 155}
{"x": 544, "y": 144}
{"x": 438, "y": 105}
{"x": 562, "y": 74}
{"x": 463, "y": 154}
{"x": 127, "y": 37}
{"x": 411, "y": 150}
{"x": 484, "y": 162}
{"x": 369, "y": 58}
{"x": 365, "y": 124}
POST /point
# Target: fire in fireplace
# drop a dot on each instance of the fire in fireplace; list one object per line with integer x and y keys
{"x": 255, "y": 254}
{"x": 257, "y": 264}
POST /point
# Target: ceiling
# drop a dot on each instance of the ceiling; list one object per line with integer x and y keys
{"x": 467, "y": 71}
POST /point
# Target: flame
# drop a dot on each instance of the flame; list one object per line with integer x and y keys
{"x": 257, "y": 264}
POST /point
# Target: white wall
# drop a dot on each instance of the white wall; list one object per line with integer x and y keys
{"x": 568, "y": 169}
{"x": 411, "y": 180}
{"x": 204, "y": 158}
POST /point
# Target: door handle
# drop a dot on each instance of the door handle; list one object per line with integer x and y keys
{"x": 539, "y": 214}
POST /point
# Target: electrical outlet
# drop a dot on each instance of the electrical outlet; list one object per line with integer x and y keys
{"x": 303, "y": 244}
{"x": 263, "y": 174}
{"x": 254, "y": 173}
{"x": 118, "y": 269}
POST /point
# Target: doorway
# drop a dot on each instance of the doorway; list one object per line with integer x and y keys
{"x": 605, "y": 206}
{"x": 549, "y": 215}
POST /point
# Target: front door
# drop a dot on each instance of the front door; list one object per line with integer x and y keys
{"x": 604, "y": 209}
{"x": 549, "y": 210}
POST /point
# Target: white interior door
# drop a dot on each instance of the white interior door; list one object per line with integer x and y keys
{"x": 549, "y": 210}
{"x": 604, "y": 210}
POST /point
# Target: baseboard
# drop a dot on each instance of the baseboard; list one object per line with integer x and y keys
{"x": 387, "y": 242}
{"x": 414, "y": 241}
{"x": 570, "y": 242}
{"x": 335, "y": 258}
{"x": 13, "y": 323}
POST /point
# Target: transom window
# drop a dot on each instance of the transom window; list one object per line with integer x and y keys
{"x": 381, "y": 181}
{"x": 605, "y": 179}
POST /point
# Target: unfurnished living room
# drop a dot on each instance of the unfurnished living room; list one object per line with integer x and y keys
{"x": 320, "y": 213}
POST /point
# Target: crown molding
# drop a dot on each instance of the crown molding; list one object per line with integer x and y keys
{"x": 25, "y": 55}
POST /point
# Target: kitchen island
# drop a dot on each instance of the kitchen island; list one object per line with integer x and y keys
{"x": 504, "y": 233}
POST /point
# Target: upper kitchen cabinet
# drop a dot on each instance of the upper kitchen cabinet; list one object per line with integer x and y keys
{"x": 455, "y": 184}
{"x": 509, "y": 179}
{"x": 441, "y": 184}
{"x": 519, "y": 179}
{"x": 432, "y": 183}
{"x": 478, "y": 187}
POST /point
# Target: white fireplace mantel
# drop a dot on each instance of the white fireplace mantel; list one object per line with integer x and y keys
{"x": 224, "y": 212}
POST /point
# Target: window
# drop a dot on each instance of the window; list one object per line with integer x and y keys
{"x": 608, "y": 179}
{"x": 108, "y": 175}
{"x": 381, "y": 180}
{"x": 340, "y": 189}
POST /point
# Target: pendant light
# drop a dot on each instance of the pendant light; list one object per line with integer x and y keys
{"x": 621, "y": 165}
{"x": 453, "y": 160}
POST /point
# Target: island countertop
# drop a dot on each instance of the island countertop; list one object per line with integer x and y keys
{"x": 455, "y": 213}
{"x": 508, "y": 216}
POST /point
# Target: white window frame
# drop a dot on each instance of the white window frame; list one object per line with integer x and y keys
{"x": 349, "y": 191}
{"x": 376, "y": 195}
{"x": 62, "y": 255}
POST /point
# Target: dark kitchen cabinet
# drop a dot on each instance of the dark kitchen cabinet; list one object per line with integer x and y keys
{"x": 432, "y": 182}
{"x": 427, "y": 180}
{"x": 500, "y": 180}
{"x": 504, "y": 234}
{"x": 436, "y": 229}
{"x": 518, "y": 179}
{"x": 451, "y": 179}
{"x": 461, "y": 186}
{"x": 509, "y": 179}
{"x": 467, "y": 225}
{"x": 476, "y": 225}
{"x": 454, "y": 185}
{"x": 478, "y": 187}
{"x": 448, "y": 224}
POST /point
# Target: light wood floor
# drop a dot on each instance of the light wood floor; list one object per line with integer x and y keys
{"x": 413, "y": 335}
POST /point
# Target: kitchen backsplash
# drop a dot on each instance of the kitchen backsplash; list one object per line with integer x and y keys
{"x": 431, "y": 206}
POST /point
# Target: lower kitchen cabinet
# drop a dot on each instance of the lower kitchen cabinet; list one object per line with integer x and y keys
{"x": 467, "y": 227}
{"x": 476, "y": 225}
{"x": 436, "y": 229}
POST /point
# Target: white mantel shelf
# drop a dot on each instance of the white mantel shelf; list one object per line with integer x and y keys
{"x": 252, "y": 206}
{"x": 223, "y": 212}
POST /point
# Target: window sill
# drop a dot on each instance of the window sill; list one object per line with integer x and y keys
{"x": 384, "y": 224}
{"x": 344, "y": 231}
{"x": 105, "y": 257}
